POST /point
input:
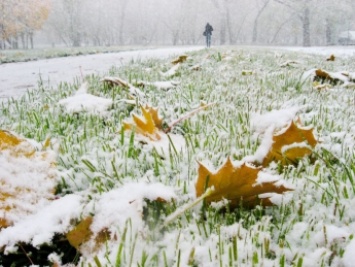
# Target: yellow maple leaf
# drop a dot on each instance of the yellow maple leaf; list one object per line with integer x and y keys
{"x": 81, "y": 233}
{"x": 17, "y": 194}
{"x": 16, "y": 146}
{"x": 237, "y": 184}
{"x": 148, "y": 125}
{"x": 290, "y": 145}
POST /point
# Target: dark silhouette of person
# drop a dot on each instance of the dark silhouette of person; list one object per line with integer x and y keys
{"x": 208, "y": 34}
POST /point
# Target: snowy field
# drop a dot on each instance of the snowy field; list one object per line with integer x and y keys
{"x": 106, "y": 168}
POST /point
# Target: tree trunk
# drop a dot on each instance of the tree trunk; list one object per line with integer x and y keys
{"x": 222, "y": 39}
{"x": 328, "y": 32}
{"x": 256, "y": 20}
{"x": 31, "y": 39}
{"x": 306, "y": 27}
{"x": 255, "y": 31}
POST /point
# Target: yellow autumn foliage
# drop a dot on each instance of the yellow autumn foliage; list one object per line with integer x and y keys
{"x": 26, "y": 177}
{"x": 290, "y": 145}
{"x": 236, "y": 184}
{"x": 149, "y": 125}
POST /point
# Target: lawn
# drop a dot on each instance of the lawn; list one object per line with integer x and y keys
{"x": 86, "y": 182}
{"x": 21, "y": 55}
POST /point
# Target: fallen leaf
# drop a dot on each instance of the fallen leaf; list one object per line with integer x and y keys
{"x": 27, "y": 177}
{"x": 290, "y": 145}
{"x": 180, "y": 59}
{"x": 162, "y": 85}
{"x": 81, "y": 233}
{"x": 289, "y": 63}
{"x": 115, "y": 81}
{"x": 148, "y": 125}
{"x": 331, "y": 58}
{"x": 239, "y": 185}
{"x": 17, "y": 146}
{"x": 330, "y": 77}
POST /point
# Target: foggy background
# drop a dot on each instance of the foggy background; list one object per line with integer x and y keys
{"x": 175, "y": 22}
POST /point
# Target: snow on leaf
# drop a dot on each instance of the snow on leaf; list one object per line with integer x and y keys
{"x": 237, "y": 184}
{"x": 112, "y": 210}
{"x": 86, "y": 103}
{"x": 330, "y": 77}
{"x": 162, "y": 85}
{"x": 290, "y": 145}
{"x": 27, "y": 177}
{"x": 14, "y": 144}
{"x": 81, "y": 101}
{"x": 117, "y": 81}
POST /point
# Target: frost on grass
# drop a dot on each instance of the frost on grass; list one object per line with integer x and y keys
{"x": 107, "y": 174}
{"x": 81, "y": 101}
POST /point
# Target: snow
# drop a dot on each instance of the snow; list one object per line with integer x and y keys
{"x": 40, "y": 227}
{"x": 337, "y": 51}
{"x": 276, "y": 118}
{"x": 81, "y": 101}
{"x": 349, "y": 255}
{"x": 17, "y": 78}
{"x": 126, "y": 201}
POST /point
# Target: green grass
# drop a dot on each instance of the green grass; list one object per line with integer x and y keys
{"x": 23, "y": 55}
{"x": 95, "y": 156}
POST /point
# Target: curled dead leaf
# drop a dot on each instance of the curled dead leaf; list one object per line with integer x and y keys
{"x": 180, "y": 59}
{"x": 331, "y": 58}
{"x": 323, "y": 76}
{"x": 115, "y": 81}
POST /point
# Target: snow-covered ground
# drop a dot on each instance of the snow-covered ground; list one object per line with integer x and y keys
{"x": 17, "y": 78}
{"x": 338, "y": 51}
{"x": 316, "y": 229}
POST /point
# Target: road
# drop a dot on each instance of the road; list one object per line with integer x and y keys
{"x": 17, "y": 78}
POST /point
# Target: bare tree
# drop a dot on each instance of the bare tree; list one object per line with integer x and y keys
{"x": 301, "y": 8}
{"x": 261, "y": 8}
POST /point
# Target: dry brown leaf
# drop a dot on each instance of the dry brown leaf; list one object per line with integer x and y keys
{"x": 332, "y": 78}
{"x": 236, "y": 184}
{"x": 331, "y": 58}
{"x": 180, "y": 59}
{"x": 289, "y": 146}
{"x": 116, "y": 81}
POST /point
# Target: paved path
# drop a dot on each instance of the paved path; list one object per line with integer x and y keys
{"x": 17, "y": 78}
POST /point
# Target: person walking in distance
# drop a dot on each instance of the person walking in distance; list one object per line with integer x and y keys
{"x": 208, "y": 34}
